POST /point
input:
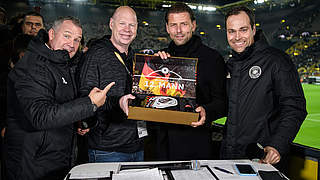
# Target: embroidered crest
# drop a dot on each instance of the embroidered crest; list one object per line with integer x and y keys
{"x": 255, "y": 72}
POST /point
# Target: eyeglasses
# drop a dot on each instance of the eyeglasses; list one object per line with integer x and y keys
{"x": 33, "y": 24}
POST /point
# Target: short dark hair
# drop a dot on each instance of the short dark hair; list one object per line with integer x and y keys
{"x": 237, "y": 9}
{"x": 33, "y": 13}
{"x": 60, "y": 20}
{"x": 180, "y": 8}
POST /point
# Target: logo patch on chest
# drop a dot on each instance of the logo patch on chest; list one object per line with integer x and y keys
{"x": 64, "y": 81}
{"x": 255, "y": 72}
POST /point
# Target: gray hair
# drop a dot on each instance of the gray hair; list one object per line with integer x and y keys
{"x": 60, "y": 20}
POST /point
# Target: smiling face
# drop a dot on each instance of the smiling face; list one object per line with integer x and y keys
{"x": 239, "y": 32}
{"x": 123, "y": 25}
{"x": 180, "y": 27}
{"x": 66, "y": 37}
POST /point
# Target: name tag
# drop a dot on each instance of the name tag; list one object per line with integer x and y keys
{"x": 142, "y": 129}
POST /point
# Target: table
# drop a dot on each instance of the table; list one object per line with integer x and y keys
{"x": 207, "y": 170}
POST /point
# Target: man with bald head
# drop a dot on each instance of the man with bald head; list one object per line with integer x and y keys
{"x": 113, "y": 137}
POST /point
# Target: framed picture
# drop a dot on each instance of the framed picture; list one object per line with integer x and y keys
{"x": 175, "y": 76}
{"x": 164, "y": 87}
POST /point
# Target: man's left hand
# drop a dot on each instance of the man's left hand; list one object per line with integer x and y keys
{"x": 202, "y": 117}
{"x": 124, "y": 103}
{"x": 272, "y": 155}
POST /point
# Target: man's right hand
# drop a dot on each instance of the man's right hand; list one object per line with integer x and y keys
{"x": 3, "y": 131}
{"x": 82, "y": 132}
{"x": 162, "y": 54}
{"x": 98, "y": 96}
{"x": 272, "y": 155}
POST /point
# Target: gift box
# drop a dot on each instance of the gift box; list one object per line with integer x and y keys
{"x": 165, "y": 89}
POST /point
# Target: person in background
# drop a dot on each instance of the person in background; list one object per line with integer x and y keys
{"x": 3, "y": 16}
{"x": 265, "y": 98}
{"x": 180, "y": 142}
{"x": 43, "y": 105}
{"x": 5, "y": 33}
{"x": 15, "y": 24}
{"x": 20, "y": 44}
{"x": 4, "y": 36}
{"x": 113, "y": 138}
{"x": 32, "y": 23}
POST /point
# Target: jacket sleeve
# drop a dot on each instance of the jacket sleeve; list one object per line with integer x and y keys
{"x": 217, "y": 107}
{"x": 292, "y": 104}
{"x": 35, "y": 90}
{"x": 95, "y": 73}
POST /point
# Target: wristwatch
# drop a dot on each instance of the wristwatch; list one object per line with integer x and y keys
{"x": 94, "y": 107}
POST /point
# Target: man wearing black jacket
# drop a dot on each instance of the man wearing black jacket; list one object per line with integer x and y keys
{"x": 180, "y": 142}
{"x": 114, "y": 138}
{"x": 42, "y": 105}
{"x": 266, "y": 100}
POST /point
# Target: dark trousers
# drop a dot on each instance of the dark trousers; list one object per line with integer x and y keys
{"x": 3, "y": 163}
{"x": 181, "y": 142}
{"x": 82, "y": 149}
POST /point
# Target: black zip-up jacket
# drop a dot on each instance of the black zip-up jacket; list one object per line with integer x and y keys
{"x": 266, "y": 100}
{"x": 180, "y": 142}
{"x": 41, "y": 111}
{"x": 113, "y": 132}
